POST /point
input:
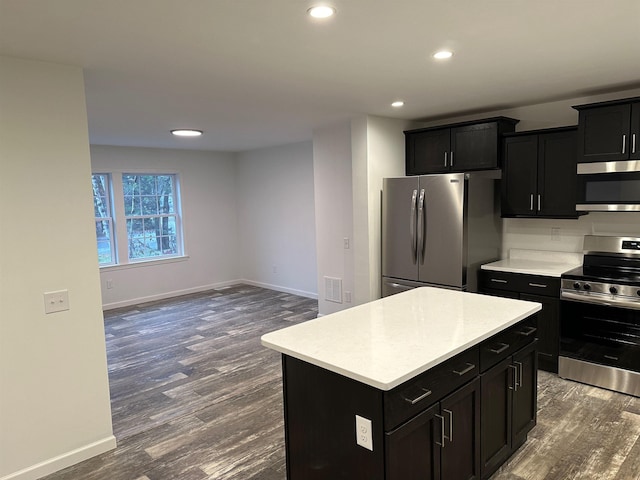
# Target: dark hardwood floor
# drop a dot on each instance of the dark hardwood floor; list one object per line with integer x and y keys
{"x": 195, "y": 396}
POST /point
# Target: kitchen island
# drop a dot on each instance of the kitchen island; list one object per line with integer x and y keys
{"x": 429, "y": 383}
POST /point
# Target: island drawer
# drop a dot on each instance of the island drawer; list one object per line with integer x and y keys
{"x": 503, "y": 344}
{"x": 413, "y": 396}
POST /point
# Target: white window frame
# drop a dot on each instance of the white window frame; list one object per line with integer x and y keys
{"x": 121, "y": 251}
{"x": 108, "y": 218}
{"x": 175, "y": 215}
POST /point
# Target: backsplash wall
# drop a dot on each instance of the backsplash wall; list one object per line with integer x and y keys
{"x": 565, "y": 235}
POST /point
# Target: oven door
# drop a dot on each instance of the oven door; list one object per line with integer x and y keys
{"x": 608, "y": 186}
{"x": 601, "y": 334}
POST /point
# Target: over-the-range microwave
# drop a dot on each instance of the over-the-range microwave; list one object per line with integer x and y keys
{"x": 609, "y": 186}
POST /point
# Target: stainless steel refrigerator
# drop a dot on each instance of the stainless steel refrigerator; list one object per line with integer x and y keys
{"x": 438, "y": 229}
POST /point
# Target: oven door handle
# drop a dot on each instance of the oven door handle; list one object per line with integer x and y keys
{"x": 600, "y": 300}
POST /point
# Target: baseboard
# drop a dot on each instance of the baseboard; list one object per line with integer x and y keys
{"x": 204, "y": 288}
{"x": 165, "y": 295}
{"x": 65, "y": 460}
{"x": 279, "y": 288}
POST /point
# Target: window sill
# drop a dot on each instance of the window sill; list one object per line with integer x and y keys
{"x": 144, "y": 263}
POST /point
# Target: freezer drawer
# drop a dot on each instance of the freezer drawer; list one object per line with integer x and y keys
{"x": 391, "y": 286}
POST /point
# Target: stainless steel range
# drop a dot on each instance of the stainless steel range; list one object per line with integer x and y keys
{"x": 600, "y": 316}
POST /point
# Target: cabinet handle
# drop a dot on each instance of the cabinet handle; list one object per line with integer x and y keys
{"x": 445, "y": 159}
{"x": 539, "y": 202}
{"x": 418, "y": 398}
{"x": 504, "y": 347}
{"x": 518, "y": 375}
{"x": 539, "y": 285}
{"x": 514, "y": 378}
{"x": 468, "y": 368}
{"x": 531, "y": 203}
{"x": 442, "y": 435}
{"x": 450, "y": 413}
{"x": 633, "y": 143}
{"x": 528, "y": 331}
{"x": 624, "y": 141}
{"x": 451, "y": 162}
{"x": 498, "y": 280}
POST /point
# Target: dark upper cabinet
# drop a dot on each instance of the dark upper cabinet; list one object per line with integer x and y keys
{"x": 609, "y": 131}
{"x": 457, "y": 147}
{"x": 539, "y": 174}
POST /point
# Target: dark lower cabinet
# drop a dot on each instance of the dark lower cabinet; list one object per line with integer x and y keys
{"x": 534, "y": 288}
{"x": 456, "y": 421}
{"x": 443, "y": 442}
{"x": 508, "y": 397}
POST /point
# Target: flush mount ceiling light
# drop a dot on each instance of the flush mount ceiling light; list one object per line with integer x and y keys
{"x": 186, "y": 132}
{"x": 321, "y": 11}
{"x": 398, "y": 104}
{"x": 442, "y": 54}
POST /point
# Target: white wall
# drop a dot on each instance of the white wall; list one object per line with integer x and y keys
{"x": 208, "y": 190}
{"x": 54, "y": 391}
{"x": 378, "y": 152}
{"x": 332, "y": 168}
{"x": 276, "y": 220}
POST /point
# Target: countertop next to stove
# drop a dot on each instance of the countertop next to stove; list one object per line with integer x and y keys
{"x": 536, "y": 262}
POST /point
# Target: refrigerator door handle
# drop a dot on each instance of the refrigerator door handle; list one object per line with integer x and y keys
{"x": 412, "y": 227}
{"x": 421, "y": 226}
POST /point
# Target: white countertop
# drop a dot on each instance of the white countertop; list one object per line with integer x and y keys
{"x": 536, "y": 262}
{"x": 389, "y": 341}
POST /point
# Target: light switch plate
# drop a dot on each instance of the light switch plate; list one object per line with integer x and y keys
{"x": 364, "y": 435}
{"x": 56, "y": 301}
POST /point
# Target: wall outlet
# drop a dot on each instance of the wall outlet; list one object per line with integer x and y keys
{"x": 274, "y": 269}
{"x": 555, "y": 234}
{"x": 56, "y": 301}
{"x": 347, "y": 243}
{"x": 364, "y": 434}
{"x": 347, "y": 296}
{"x": 109, "y": 283}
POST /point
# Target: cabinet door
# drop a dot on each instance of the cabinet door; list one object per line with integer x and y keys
{"x": 557, "y": 177}
{"x": 525, "y": 403}
{"x": 496, "y": 386}
{"x": 411, "y": 449}
{"x": 460, "y": 455}
{"x": 603, "y": 133}
{"x": 548, "y": 331}
{"x": 474, "y": 147}
{"x": 428, "y": 152}
{"x": 519, "y": 175}
{"x": 634, "y": 148}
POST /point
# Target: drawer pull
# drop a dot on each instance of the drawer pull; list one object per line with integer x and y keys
{"x": 467, "y": 369}
{"x": 502, "y": 348}
{"x": 418, "y": 398}
{"x": 539, "y": 285}
{"x": 498, "y": 280}
{"x": 528, "y": 331}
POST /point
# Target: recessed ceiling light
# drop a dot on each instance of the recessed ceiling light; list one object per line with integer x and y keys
{"x": 398, "y": 104}
{"x": 186, "y": 132}
{"x": 321, "y": 11}
{"x": 442, "y": 54}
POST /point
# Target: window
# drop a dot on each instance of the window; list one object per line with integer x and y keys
{"x": 150, "y": 213}
{"x": 104, "y": 221}
{"x": 142, "y": 224}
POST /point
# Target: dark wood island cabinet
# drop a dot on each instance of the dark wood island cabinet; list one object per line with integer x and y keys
{"x": 460, "y": 415}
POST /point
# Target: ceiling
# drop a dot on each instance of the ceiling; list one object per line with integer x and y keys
{"x": 258, "y": 73}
